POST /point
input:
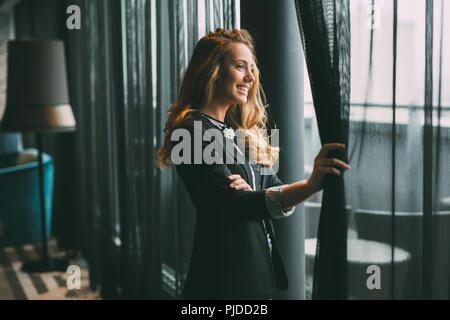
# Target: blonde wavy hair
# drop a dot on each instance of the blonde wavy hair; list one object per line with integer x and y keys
{"x": 198, "y": 88}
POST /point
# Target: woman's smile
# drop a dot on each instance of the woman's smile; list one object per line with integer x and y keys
{"x": 243, "y": 89}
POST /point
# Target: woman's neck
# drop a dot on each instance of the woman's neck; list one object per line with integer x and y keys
{"x": 215, "y": 111}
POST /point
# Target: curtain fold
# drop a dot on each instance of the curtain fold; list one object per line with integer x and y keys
{"x": 325, "y": 31}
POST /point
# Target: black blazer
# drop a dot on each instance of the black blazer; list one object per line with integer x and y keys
{"x": 231, "y": 257}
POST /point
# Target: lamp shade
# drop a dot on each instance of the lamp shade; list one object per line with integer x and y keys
{"x": 37, "y": 93}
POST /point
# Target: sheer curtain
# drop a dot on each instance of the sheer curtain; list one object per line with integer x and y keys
{"x": 397, "y": 192}
{"x": 138, "y": 51}
{"x": 132, "y": 222}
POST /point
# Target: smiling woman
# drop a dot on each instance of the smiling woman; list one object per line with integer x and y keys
{"x": 222, "y": 81}
{"x": 236, "y": 253}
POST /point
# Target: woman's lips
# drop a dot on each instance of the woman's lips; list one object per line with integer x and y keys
{"x": 243, "y": 89}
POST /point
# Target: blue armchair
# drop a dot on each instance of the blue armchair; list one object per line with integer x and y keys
{"x": 19, "y": 197}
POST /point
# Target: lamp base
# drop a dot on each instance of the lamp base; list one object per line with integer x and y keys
{"x": 45, "y": 265}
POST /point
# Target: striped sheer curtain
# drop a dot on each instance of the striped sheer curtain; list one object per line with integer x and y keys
{"x": 9, "y": 142}
{"x": 132, "y": 221}
{"x": 399, "y": 136}
{"x": 148, "y": 216}
{"x": 398, "y": 190}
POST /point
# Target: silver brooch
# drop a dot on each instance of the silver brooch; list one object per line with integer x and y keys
{"x": 229, "y": 133}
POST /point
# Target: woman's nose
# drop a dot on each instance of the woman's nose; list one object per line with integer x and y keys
{"x": 250, "y": 77}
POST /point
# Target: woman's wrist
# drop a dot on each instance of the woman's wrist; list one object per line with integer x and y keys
{"x": 296, "y": 193}
{"x": 311, "y": 187}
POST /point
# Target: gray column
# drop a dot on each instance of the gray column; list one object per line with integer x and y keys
{"x": 274, "y": 26}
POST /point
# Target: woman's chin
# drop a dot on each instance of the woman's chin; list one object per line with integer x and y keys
{"x": 241, "y": 100}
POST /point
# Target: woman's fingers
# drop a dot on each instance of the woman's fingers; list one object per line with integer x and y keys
{"x": 239, "y": 183}
{"x": 321, "y": 156}
{"x": 331, "y": 170}
{"x": 236, "y": 179}
{"x": 243, "y": 186}
{"x": 324, "y": 166}
{"x": 329, "y": 146}
{"x": 336, "y": 162}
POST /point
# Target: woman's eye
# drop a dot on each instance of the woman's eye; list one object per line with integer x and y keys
{"x": 240, "y": 66}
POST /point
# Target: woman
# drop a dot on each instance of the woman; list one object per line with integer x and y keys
{"x": 235, "y": 254}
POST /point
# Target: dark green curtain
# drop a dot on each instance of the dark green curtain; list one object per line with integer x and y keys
{"x": 132, "y": 222}
{"x": 325, "y": 32}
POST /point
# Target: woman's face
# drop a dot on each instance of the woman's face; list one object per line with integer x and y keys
{"x": 236, "y": 77}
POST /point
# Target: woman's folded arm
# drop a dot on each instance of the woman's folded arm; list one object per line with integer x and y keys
{"x": 208, "y": 186}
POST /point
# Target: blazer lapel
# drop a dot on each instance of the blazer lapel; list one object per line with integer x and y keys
{"x": 245, "y": 166}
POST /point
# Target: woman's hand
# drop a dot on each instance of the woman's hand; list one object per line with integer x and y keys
{"x": 324, "y": 166}
{"x": 239, "y": 183}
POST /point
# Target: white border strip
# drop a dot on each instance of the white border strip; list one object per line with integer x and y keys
{"x": 238, "y": 14}
{"x": 211, "y": 15}
{"x": 201, "y": 18}
{"x": 186, "y": 39}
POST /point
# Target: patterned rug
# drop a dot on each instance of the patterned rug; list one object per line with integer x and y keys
{"x": 15, "y": 284}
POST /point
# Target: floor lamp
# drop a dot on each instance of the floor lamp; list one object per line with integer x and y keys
{"x": 38, "y": 102}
